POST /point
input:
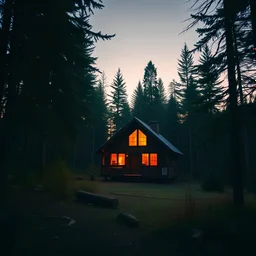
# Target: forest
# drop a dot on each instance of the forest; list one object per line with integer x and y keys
{"x": 55, "y": 104}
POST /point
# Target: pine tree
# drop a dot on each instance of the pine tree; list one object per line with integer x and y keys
{"x": 224, "y": 31}
{"x": 150, "y": 83}
{"x": 172, "y": 116}
{"x": 100, "y": 112}
{"x": 208, "y": 82}
{"x": 186, "y": 89}
{"x": 161, "y": 91}
{"x": 49, "y": 74}
{"x": 118, "y": 100}
{"x": 186, "y": 71}
{"x": 151, "y": 92}
{"x": 126, "y": 113}
{"x": 138, "y": 102}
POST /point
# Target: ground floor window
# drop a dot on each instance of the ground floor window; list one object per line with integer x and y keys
{"x": 153, "y": 159}
{"x": 145, "y": 159}
{"x": 149, "y": 159}
{"x": 117, "y": 159}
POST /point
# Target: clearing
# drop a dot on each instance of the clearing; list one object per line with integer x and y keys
{"x": 158, "y": 207}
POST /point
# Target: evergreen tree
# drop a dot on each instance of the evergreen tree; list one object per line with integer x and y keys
{"x": 172, "y": 117}
{"x": 100, "y": 112}
{"x": 227, "y": 17}
{"x": 150, "y": 83}
{"x": 49, "y": 76}
{"x": 186, "y": 71}
{"x": 118, "y": 101}
{"x": 161, "y": 91}
{"x": 138, "y": 102}
{"x": 151, "y": 92}
{"x": 126, "y": 113}
{"x": 208, "y": 82}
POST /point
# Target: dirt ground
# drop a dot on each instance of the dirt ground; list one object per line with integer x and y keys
{"x": 96, "y": 230}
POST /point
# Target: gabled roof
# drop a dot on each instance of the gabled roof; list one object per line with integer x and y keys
{"x": 159, "y": 137}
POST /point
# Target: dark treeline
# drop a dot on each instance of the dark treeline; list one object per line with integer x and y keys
{"x": 47, "y": 82}
{"x": 55, "y": 105}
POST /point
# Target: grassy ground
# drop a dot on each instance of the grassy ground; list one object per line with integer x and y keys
{"x": 161, "y": 209}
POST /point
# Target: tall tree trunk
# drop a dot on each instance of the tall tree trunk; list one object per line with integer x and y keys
{"x": 8, "y": 120}
{"x": 93, "y": 144}
{"x": 243, "y": 122}
{"x": 253, "y": 15}
{"x": 237, "y": 179}
{"x": 191, "y": 162}
{"x": 4, "y": 41}
{"x": 74, "y": 156}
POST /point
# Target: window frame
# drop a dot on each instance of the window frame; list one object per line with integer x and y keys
{"x": 137, "y": 132}
{"x": 149, "y": 159}
{"x": 156, "y": 158}
{"x": 117, "y": 159}
{"x": 145, "y": 154}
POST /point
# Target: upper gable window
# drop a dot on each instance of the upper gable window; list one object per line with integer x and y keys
{"x": 133, "y": 139}
{"x": 142, "y": 139}
{"x": 137, "y": 138}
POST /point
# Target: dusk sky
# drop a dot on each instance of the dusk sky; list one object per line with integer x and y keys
{"x": 145, "y": 30}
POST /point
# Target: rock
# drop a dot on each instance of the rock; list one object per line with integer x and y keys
{"x": 128, "y": 219}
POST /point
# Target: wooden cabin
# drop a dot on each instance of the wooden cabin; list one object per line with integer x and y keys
{"x": 139, "y": 150}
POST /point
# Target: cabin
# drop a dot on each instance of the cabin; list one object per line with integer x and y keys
{"x": 139, "y": 150}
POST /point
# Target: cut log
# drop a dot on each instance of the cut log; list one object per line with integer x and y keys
{"x": 95, "y": 199}
{"x": 128, "y": 219}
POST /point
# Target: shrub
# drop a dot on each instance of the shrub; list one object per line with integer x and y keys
{"x": 56, "y": 179}
{"x": 213, "y": 184}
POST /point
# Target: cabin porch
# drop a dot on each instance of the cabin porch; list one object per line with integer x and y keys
{"x": 144, "y": 172}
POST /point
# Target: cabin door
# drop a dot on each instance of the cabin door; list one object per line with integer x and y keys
{"x": 135, "y": 163}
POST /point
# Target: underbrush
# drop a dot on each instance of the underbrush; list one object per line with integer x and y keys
{"x": 54, "y": 179}
{"x": 57, "y": 179}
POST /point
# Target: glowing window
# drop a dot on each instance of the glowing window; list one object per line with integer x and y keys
{"x": 133, "y": 139}
{"x": 117, "y": 159}
{"x": 145, "y": 159}
{"x": 142, "y": 139}
{"x": 137, "y": 138}
{"x": 153, "y": 159}
{"x": 113, "y": 159}
{"x": 121, "y": 159}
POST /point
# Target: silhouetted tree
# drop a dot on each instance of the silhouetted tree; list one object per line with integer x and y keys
{"x": 138, "y": 102}
{"x": 208, "y": 82}
{"x": 118, "y": 101}
{"x": 151, "y": 91}
{"x": 172, "y": 116}
{"x": 48, "y": 79}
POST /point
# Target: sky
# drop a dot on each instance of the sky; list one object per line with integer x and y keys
{"x": 145, "y": 30}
